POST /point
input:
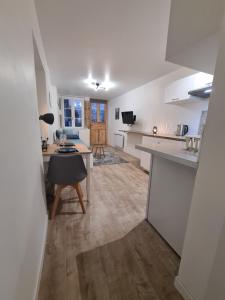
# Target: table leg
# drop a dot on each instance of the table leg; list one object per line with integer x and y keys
{"x": 88, "y": 179}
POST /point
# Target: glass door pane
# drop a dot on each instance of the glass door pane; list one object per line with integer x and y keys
{"x": 94, "y": 112}
{"x": 102, "y": 113}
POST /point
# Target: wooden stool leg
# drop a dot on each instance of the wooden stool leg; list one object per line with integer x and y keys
{"x": 79, "y": 193}
{"x": 103, "y": 151}
{"x": 96, "y": 150}
{"x": 56, "y": 200}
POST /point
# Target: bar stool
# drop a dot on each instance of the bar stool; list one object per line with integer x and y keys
{"x": 99, "y": 147}
{"x": 66, "y": 170}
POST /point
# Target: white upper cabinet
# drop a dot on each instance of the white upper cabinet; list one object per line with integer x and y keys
{"x": 177, "y": 91}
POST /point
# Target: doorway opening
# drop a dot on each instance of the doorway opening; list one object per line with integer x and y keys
{"x": 41, "y": 90}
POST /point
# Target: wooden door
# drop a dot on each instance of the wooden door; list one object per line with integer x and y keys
{"x": 94, "y": 136}
{"x": 102, "y": 136}
{"x": 98, "y": 134}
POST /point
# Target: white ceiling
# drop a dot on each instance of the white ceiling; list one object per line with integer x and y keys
{"x": 124, "y": 38}
{"x": 193, "y": 38}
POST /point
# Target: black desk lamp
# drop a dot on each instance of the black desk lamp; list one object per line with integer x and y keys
{"x": 47, "y": 118}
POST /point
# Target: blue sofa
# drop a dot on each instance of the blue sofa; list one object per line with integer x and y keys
{"x": 72, "y": 135}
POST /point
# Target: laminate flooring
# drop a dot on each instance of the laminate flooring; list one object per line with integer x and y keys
{"x": 116, "y": 210}
{"x": 138, "y": 266}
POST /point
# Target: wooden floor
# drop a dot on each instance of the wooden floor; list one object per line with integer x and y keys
{"x": 130, "y": 158}
{"x": 117, "y": 206}
{"x": 136, "y": 267}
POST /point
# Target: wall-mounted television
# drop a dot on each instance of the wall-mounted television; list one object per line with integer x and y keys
{"x": 128, "y": 117}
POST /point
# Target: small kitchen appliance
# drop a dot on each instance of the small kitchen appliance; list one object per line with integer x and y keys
{"x": 182, "y": 129}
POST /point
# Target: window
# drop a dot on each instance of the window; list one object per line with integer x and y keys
{"x": 97, "y": 111}
{"x": 73, "y": 109}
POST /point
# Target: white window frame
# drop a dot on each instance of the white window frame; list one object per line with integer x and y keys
{"x": 81, "y": 99}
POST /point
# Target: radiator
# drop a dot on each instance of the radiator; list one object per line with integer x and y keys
{"x": 118, "y": 140}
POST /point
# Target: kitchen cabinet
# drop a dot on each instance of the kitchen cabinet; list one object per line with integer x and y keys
{"x": 177, "y": 91}
{"x": 146, "y": 157}
{"x": 171, "y": 184}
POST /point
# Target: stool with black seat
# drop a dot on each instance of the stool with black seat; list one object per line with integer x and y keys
{"x": 63, "y": 171}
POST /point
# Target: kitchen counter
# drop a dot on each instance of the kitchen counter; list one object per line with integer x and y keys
{"x": 161, "y": 136}
{"x": 171, "y": 181}
{"x": 172, "y": 153}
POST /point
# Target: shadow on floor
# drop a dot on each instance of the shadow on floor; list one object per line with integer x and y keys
{"x": 139, "y": 266}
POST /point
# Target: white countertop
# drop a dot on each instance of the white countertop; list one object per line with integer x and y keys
{"x": 161, "y": 136}
{"x": 171, "y": 152}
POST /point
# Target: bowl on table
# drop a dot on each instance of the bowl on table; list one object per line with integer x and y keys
{"x": 66, "y": 150}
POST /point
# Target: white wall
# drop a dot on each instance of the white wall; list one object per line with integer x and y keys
{"x": 193, "y": 39}
{"x": 202, "y": 270}
{"x": 47, "y": 94}
{"x": 47, "y": 97}
{"x": 55, "y": 110}
{"x": 42, "y": 99}
{"x": 205, "y": 62}
{"x": 23, "y": 218}
{"x": 147, "y": 102}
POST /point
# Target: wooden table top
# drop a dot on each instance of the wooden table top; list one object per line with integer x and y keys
{"x": 53, "y": 147}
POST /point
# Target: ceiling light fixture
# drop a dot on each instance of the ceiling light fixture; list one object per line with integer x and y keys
{"x": 96, "y": 85}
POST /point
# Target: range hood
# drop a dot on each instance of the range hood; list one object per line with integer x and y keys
{"x": 204, "y": 92}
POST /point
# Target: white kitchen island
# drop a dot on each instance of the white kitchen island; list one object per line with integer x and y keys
{"x": 171, "y": 182}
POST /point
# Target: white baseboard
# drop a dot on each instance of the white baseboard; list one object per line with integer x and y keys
{"x": 42, "y": 258}
{"x": 182, "y": 290}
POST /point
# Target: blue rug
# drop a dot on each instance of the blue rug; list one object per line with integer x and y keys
{"x": 110, "y": 158}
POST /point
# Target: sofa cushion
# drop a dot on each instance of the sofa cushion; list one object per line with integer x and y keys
{"x": 72, "y": 136}
{"x": 58, "y": 133}
{"x": 71, "y": 133}
{"x": 77, "y": 141}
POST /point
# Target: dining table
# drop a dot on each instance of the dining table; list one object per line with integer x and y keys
{"x": 81, "y": 149}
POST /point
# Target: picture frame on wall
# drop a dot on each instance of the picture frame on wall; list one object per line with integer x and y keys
{"x": 117, "y": 113}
